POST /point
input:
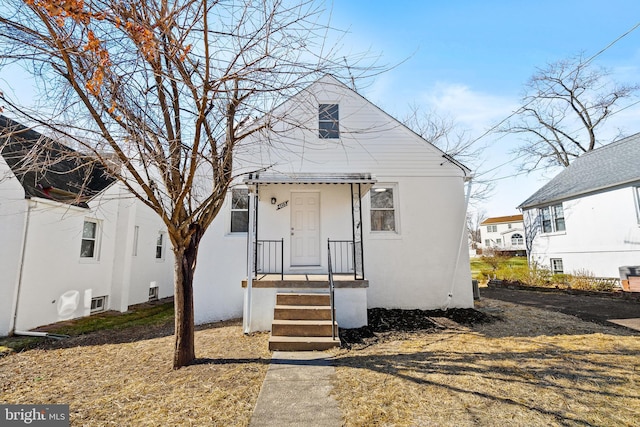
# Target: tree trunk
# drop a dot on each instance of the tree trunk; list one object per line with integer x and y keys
{"x": 185, "y": 266}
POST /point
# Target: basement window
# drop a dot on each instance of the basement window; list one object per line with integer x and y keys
{"x": 153, "y": 293}
{"x": 556, "y": 266}
{"x": 98, "y": 304}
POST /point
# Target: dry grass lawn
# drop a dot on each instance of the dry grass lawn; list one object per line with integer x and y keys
{"x": 533, "y": 368}
{"x": 109, "y": 382}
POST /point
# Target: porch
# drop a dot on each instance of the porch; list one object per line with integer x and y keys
{"x": 288, "y": 218}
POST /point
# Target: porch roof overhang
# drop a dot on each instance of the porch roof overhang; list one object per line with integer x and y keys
{"x": 366, "y": 180}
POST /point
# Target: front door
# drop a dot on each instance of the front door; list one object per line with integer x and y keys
{"x": 305, "y": 228}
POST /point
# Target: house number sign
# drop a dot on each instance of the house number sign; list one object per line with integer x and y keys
{"x": 282, "y": 205}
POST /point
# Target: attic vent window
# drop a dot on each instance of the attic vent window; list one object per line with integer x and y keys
{"x": 328, "y": 121}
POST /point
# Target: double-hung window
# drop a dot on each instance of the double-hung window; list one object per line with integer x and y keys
{"x": 239, "y": 210}
{"x": 636, "y": 191}
{"x": 383, "y": 209}
{"x": 89, "y": 244}
{"x": 160, "y": 242}
{"x": 552, "y": 218}
{"x": 328, "y": 121}
{"x": 492, "y": 228}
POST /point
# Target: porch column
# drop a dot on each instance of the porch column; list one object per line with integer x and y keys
{"x": 356, "y": 226}
{"x": 251, "y": 241}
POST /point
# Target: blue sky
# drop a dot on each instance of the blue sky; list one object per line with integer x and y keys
{"x": 468, "y": 60}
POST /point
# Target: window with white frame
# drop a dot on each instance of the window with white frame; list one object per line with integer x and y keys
{"x": 637, "y": 196}
{"x": 487, "y": 242}
{"x": 492, "y": 228}
{"x": 98, "y": 304}
{"x": 328, "y": 121}
{"x": 517, "y": 239}
{"x": 509, "y": 226}
{"x": 552, "y": 218}
{"x": 383, "y": 209}
{"x": 556, "y": 266}
{"x": 160, "y": 242}
{"x": 498, "y": 242}
{"x": 239, "y": 210}
{"x": 89, "y": 244}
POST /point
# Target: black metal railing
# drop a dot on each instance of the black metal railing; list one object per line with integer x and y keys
{"x": 269, "y": 257}
{"x": 331, "y": 287}
{"x": 346, "y": 258}
{"x": 342, "y": 256}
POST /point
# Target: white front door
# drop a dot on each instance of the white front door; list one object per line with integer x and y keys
{"x": 305, "y": 228}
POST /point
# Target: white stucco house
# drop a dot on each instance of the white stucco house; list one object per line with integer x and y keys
{"x": 588, "y": 216}
{"x": 503, "y": 233}
{"x": 73, "y": 240}
{"x": 338, "y": 172}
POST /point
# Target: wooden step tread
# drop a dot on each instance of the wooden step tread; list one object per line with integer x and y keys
{"x": 301, "y": 322}
{"x": 302, "y": 307}
{"x": 302, "y": 343}
{"x": 304, "y": 339}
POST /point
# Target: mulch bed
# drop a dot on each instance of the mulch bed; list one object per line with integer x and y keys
{"x": 393, "y": 324}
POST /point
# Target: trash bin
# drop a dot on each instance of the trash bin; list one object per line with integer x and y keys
{"x": 476, "y": 290}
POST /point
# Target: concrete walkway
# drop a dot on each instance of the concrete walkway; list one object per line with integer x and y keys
{"x": 296, "y": 392}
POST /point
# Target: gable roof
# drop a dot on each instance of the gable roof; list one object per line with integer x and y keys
{"x": 502, "y": 219}
{"x": 45, "y": 168}
{"x": 610, "y": 166}
{"x": 370, "y": 139}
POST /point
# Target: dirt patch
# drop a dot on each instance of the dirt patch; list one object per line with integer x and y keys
{"x": 125, "y": 377}
{"x": 393, "y": 324}
{"x": 532, "y": 367}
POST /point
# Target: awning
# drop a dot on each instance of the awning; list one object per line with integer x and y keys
{"x": 366, "y": 180}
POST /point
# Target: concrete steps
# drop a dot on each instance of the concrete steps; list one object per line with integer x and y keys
{"x": 302, "y": 322}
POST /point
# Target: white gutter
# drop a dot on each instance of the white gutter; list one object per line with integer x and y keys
{"x": 23, "y": 250}
{"x": 246, "y": 318}
{"x": 460, "y": 247}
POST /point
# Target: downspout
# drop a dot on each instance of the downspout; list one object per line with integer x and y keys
{"x": 23, "y": 250}
{"x": 16, "y": 300}
{"x": 250, "y": 261}
{"x": 461, "y": 245}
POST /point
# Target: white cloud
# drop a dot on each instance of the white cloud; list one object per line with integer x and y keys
{"x": 473, "y": 110}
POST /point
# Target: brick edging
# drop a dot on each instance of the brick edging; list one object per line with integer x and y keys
{"x": 505, "y": 284}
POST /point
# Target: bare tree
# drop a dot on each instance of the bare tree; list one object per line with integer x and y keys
{"x": 445, "y": 134}
{"x": 474, "y": 219}
{"x": 565, "y": 106}
{"x": 164, "y": 93}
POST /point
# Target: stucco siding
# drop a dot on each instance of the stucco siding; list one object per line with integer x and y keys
{"x": 12, "y": 220}
{"x": 416, "y": 268}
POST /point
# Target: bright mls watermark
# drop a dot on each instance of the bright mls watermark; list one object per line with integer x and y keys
{"x": 34, "y": 415}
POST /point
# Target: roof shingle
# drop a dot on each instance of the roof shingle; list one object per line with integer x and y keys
{"x": 606, "y": 167}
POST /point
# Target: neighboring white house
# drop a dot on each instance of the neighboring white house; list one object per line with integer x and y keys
{"x": 337, "y": 168}
{"x": 588, "y": 216}
{"x": 73, "y": 241}
{"x": 503, "y": 233}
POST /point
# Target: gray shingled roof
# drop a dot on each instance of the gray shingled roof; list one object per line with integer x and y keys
{"x": 610, "y": 166}
{"x": 48, "y": 169}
